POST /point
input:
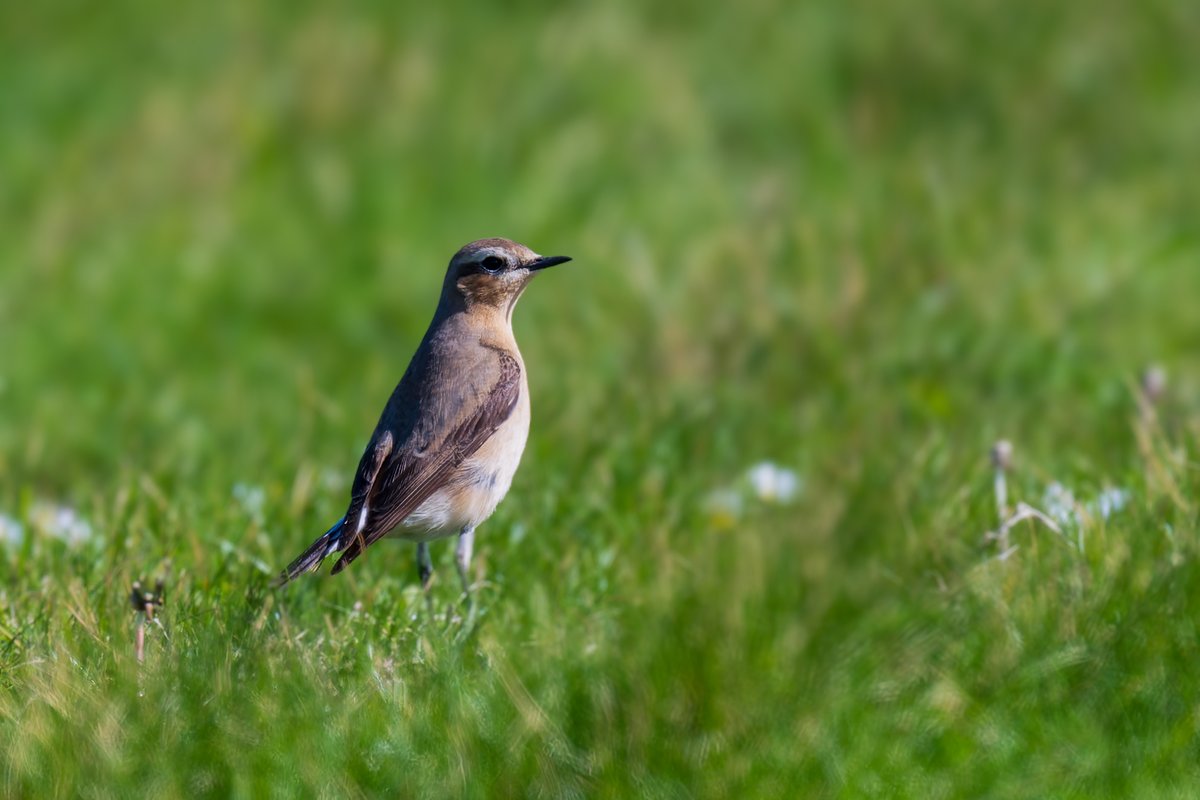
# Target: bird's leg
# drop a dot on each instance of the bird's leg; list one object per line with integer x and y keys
{"x": 462, "y": 558}
{"x": 425, "y": 571}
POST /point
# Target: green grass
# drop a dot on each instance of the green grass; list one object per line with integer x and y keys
{"x": 861, "y": 240}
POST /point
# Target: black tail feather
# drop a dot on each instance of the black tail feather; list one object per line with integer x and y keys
{"x": 326, "y": 545}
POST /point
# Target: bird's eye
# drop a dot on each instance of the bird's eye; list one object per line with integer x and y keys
{"x": 492, "y": 263}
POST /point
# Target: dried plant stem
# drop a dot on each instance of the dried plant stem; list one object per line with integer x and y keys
{"x": 1001, "y": 456}
{"x": 144, "y": 605}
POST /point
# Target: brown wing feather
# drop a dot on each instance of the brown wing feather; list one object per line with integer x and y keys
{"x": 409, "y": 476}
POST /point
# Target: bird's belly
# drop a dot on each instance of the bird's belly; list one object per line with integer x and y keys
{"x": 475, "y": 489}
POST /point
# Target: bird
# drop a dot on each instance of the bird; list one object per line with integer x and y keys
{"x": 451, "y": 435}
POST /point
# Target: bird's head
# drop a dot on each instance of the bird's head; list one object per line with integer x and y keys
{"x": 493, "y": 273}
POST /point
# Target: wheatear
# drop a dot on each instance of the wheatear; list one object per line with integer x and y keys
{"x": 449, "y": 440}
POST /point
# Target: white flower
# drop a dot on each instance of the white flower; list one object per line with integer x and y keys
{"x": 772, "y": 483}
{"x": 765, "y": 482}
{"x": 11, "y": 532}
{"x": 251, "y": 498}
{"x": 1110, "y": 501}
{"x": 1059, "y": 503}
{"x": 60, "y": 522}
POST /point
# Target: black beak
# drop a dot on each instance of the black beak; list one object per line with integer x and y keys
{"x": 547, "y": 261}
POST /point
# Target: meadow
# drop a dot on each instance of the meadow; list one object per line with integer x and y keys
{"x": 826, "y": 255}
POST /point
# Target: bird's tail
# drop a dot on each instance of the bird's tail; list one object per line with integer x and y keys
{"x": 328, "y": 544}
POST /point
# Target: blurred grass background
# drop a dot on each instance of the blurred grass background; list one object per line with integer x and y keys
{"x": 861, "y": 241}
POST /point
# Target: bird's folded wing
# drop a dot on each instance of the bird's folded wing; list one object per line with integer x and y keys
{"x": 411, "y": 474}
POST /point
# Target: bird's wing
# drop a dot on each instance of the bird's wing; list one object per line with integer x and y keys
{"x": 455, "y": 419}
